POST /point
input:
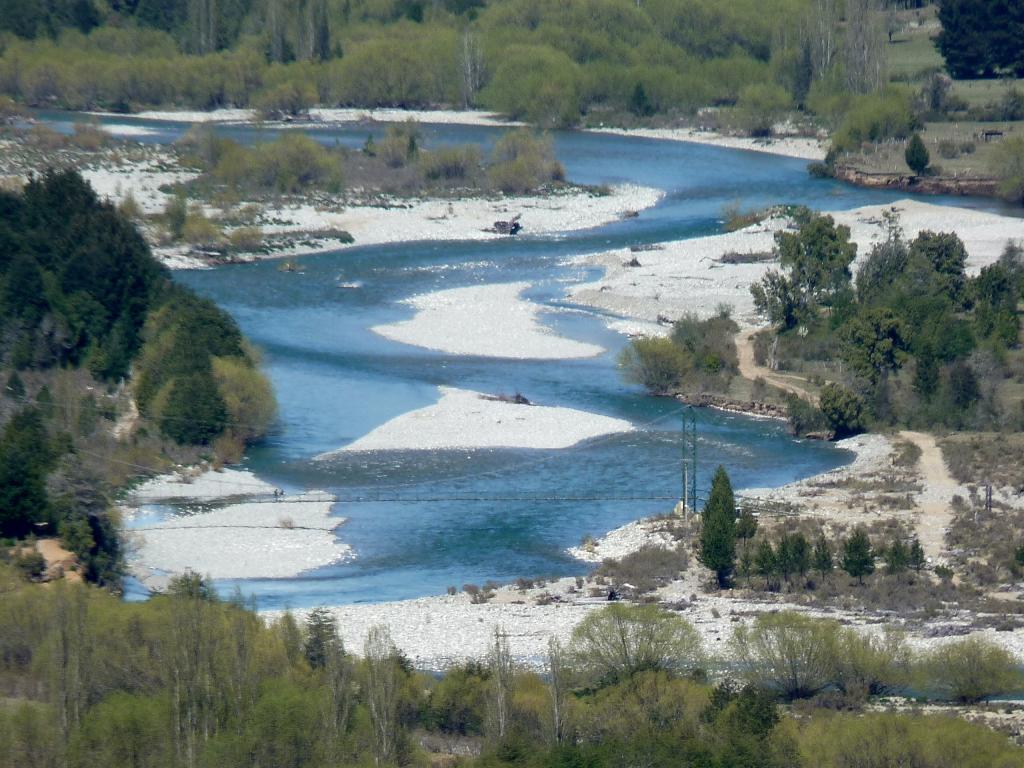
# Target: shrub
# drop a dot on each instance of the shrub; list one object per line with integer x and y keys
{"x": 655, "y": 363}
{"x": 948, "y": 150}
{"x": 619, "y": 641}
{"x": 538, "y": 84}
{"x": 246, "y": 238}
{"x": 890, "y": 739}
{"x": 289, "y": 98}
{"x": 842, "y": 409}
{"x": 789, "y": 653}
{"x": 646, "y": 569}
{"x": 1008, "y": 165}
{"x": 453, "y": 164}
{"x": 886, "y": 115}
{"x": 804, "y": 417}
{"x": 199, "y": 230}
{"x": 760, "y": 106}
{"x": 871, "y": 664}
{"x": 30, "y": 562}
{"x": 972, "y": 670}
{"x": 400, "y": 144}
{"x": 522, "y": 161}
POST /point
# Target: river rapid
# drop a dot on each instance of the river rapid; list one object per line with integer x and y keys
{"x": 336, "y": 380}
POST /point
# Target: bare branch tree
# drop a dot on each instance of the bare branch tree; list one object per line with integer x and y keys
{"x": 500, "y": 695}
{"x": 382, "y": 692}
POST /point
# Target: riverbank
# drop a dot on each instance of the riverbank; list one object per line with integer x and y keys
{"x": 235, "y": 526}
{"x": 436, "y": 633}
{"x": 484, "y": 321}
{"x": 473, "y": 420}
{"x": 798, "y": 147}
{"x": 702, "y": 274}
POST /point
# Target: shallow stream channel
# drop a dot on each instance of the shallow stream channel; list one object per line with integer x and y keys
{"x": 451, "y": 517}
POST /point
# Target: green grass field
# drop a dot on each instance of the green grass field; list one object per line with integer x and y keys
{"x": 913, "y": 56}
{"x": 973, "y": 153}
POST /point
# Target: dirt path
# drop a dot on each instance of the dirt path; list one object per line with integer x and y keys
{"x": 749, "y": 369}
{"x": 59, "y": 561}
{"x": 935, "y": 513}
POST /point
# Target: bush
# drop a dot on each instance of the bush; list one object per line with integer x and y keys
{"x": 523, "y": 161}
{"x": 30, "y": 562}
{"x": 871, "y": 664}
{"x": 453, "y": 164}
{"x": 887, "y": 115}
{"x": 804, "y": 417}
{"x": 1008, "y": 165}
{"x": 290, "y": 98}
{"x": 400, "y": 144}
{"x": 760, "y": 106}
{"x": 972, "y": 670}
{"x": 843, "y": 410}
{"x": 536, "y": 83}
{"x": 889, "y": 739}
{"x": 655, "y": 363}
{"x": 619, "y": 641}
{"x": 646, "y": 569}
{"x": 246, "y": 239}
{"x": 292, "y": 163}
{"x": 789, "y": 653}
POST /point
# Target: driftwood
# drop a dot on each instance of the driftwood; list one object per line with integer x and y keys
{"x": 734, "y": 257}
{"x": 516, "y": 399}
{"x": 510, "y": 227}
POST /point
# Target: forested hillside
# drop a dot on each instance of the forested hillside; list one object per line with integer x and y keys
{"x": 89, "y": 323}
{"x": 550, "y": 63}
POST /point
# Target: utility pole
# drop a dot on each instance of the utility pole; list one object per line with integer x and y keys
{"x": 689, "y": 459}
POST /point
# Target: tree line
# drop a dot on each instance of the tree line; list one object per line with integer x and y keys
{"x": 913, "y": 341}
{"x": 187, "y": 680}
{"x": 86, "y": 308}
{"x": 726, "y": 547}
{"x": 551, "y": 64}
{"x": 981, "y": 38}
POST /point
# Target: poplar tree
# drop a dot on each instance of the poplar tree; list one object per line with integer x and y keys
{"x": 718, "y": 529}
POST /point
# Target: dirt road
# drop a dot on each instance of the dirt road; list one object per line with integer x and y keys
{"x": 749, "y": 369}
{"x": 935, "y": 513}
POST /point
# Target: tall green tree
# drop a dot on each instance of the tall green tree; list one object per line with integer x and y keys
{"x": 821, "y": 560}
{"x": 981, "y": 38}
{"x": 916, "y": 155}
{"x": 858, "y": 559}
{"x": 718, "y": 529}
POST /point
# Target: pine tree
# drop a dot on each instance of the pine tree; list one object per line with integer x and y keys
{"x": 322, "y": 640}
{"x": 746, "y": 525}
{"x": 718, "y": 529}
{"x": 639, "y": 104}
{"x": 916, "y": 558}
{"x": 897, "y": 556}
{"x": 766, "y": 562}
{"x": 916, "y": 155}
{"x": 858, "y": 560}
{"x": 822, "y": 559}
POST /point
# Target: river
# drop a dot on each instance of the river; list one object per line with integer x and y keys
{"x": 336, "y": 380}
